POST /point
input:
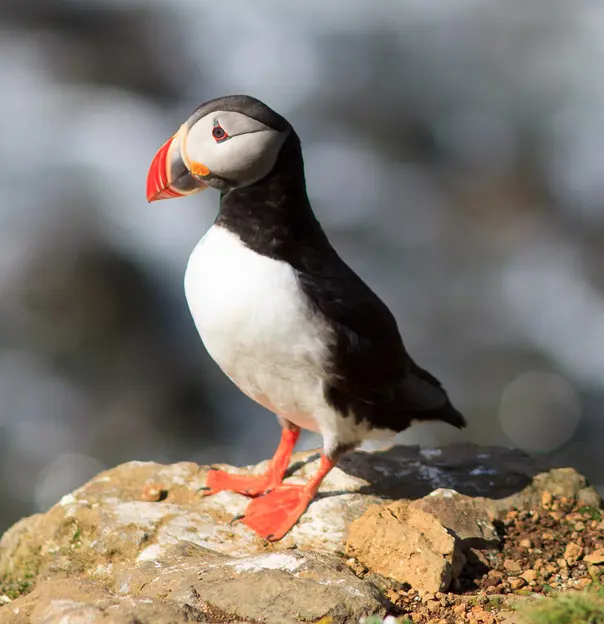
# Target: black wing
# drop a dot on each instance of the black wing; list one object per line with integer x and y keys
{"x": 373, "y": 376}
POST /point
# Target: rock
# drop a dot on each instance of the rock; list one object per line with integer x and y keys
{"x": 406, "y": 544}
{"x": 579, "y": 526}
{"x": 573, "y": 553}
{"x": 595, "y": 557}
{"x": 278, "y": 587}
{"x": 517, "y": 583}
{"x": 512, "y": 566}
{"x": 79, "y": 600}
{"x": 529, "y": 575}
{"x": 110, "y": 534}
{"x": 588, "y": 497}
{"x": 546, "y": 499}
{"x": 464, "y": 516}
{"x": 496, "y": 575}
{"x": 274, "y": 587}
{"x": 138, "y": 543}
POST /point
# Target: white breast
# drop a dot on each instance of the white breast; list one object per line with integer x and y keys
{"x": 257, "y": 326}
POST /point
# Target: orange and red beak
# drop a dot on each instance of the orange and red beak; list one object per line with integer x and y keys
{"x": 168, "y": 176}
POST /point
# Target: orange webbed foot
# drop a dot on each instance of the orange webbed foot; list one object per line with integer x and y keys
{"x": 256, "y": 485}
{"x": 272, "y": 516}
{"x": 249, "y": 485}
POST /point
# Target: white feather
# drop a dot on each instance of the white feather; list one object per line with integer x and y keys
{"x": 257, "y": 325}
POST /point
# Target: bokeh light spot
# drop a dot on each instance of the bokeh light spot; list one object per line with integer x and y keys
{"x": 539, "y": 411}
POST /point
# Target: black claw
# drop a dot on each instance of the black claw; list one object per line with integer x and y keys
{"x": 236, "y": 518}
{"x": 270, "y": 537}
{"x": 203, "y": 489}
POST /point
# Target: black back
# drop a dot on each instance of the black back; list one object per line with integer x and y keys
{"x": 372, "y": 376}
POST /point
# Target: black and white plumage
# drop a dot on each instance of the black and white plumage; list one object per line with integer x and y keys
{"x": 280, "y": 312}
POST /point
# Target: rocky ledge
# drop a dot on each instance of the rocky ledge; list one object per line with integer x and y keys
{"x": 437, "y": 535}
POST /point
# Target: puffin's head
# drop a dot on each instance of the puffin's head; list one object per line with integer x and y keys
{"x": 229, "y": 142}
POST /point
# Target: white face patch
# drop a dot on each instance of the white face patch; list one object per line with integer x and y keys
{"x": 245, "y": 155}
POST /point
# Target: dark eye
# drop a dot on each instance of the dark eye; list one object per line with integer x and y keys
{"x": 219, "y": 134}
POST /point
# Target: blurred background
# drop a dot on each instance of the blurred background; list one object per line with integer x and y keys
{"x": 454, "y": 153}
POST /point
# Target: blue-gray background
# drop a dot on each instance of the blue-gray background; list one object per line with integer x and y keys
{"x": 455, "y": 155}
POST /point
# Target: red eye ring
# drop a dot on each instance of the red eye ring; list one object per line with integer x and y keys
{"x": 219, "y": 134}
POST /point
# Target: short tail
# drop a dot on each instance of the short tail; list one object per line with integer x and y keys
{"x": 446, "y": 414}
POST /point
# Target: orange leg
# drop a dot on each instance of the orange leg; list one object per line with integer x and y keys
{"x": 275, "y": 513}
{"x": 255, "y": 485}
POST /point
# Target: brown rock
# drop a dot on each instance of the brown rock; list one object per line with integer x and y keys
{"x": 491, "y": 591}
{"x": 407, "y": 545}
{"x": 529, "y": 576}
{"x": 153, "y": 492}
{"x": 496, "y": 575}
{"x": 517, "y": 583}
{"x": 433, "y": 606}
{"x": 512, "y": 566}
{"x": 459, "y": 609}
{"x": 595, "y": 572}
{"x": 572, "y": 553}
{"x": 554, "y": 568}
{"x": 595, "y": 557}
{"x": 546, "y": 499}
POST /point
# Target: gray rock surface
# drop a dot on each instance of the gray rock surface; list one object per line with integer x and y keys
{"x": 138, "y": 542}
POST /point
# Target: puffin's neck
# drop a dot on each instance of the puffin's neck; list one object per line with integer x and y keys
{"x": 273, "y": 216}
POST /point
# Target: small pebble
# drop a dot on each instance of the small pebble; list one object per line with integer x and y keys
{"x": 153, "y": 493}
{"x": 546, "y": 499}
{"x": 572, "y": 553}
{"x": 529, "y": 576}
{"x": 512, "y": 566}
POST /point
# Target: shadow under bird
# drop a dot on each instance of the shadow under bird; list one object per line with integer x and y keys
{"x": 285, "y": 318}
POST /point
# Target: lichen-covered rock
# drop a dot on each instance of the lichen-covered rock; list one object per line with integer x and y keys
{"x": 191, "y": 584}
{"x": 138, "y": 543}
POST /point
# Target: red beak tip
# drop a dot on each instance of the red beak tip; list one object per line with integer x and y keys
{"x": 157, "y": 177}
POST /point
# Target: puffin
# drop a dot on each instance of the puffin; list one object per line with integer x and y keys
{"x": 280, "y": 312}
